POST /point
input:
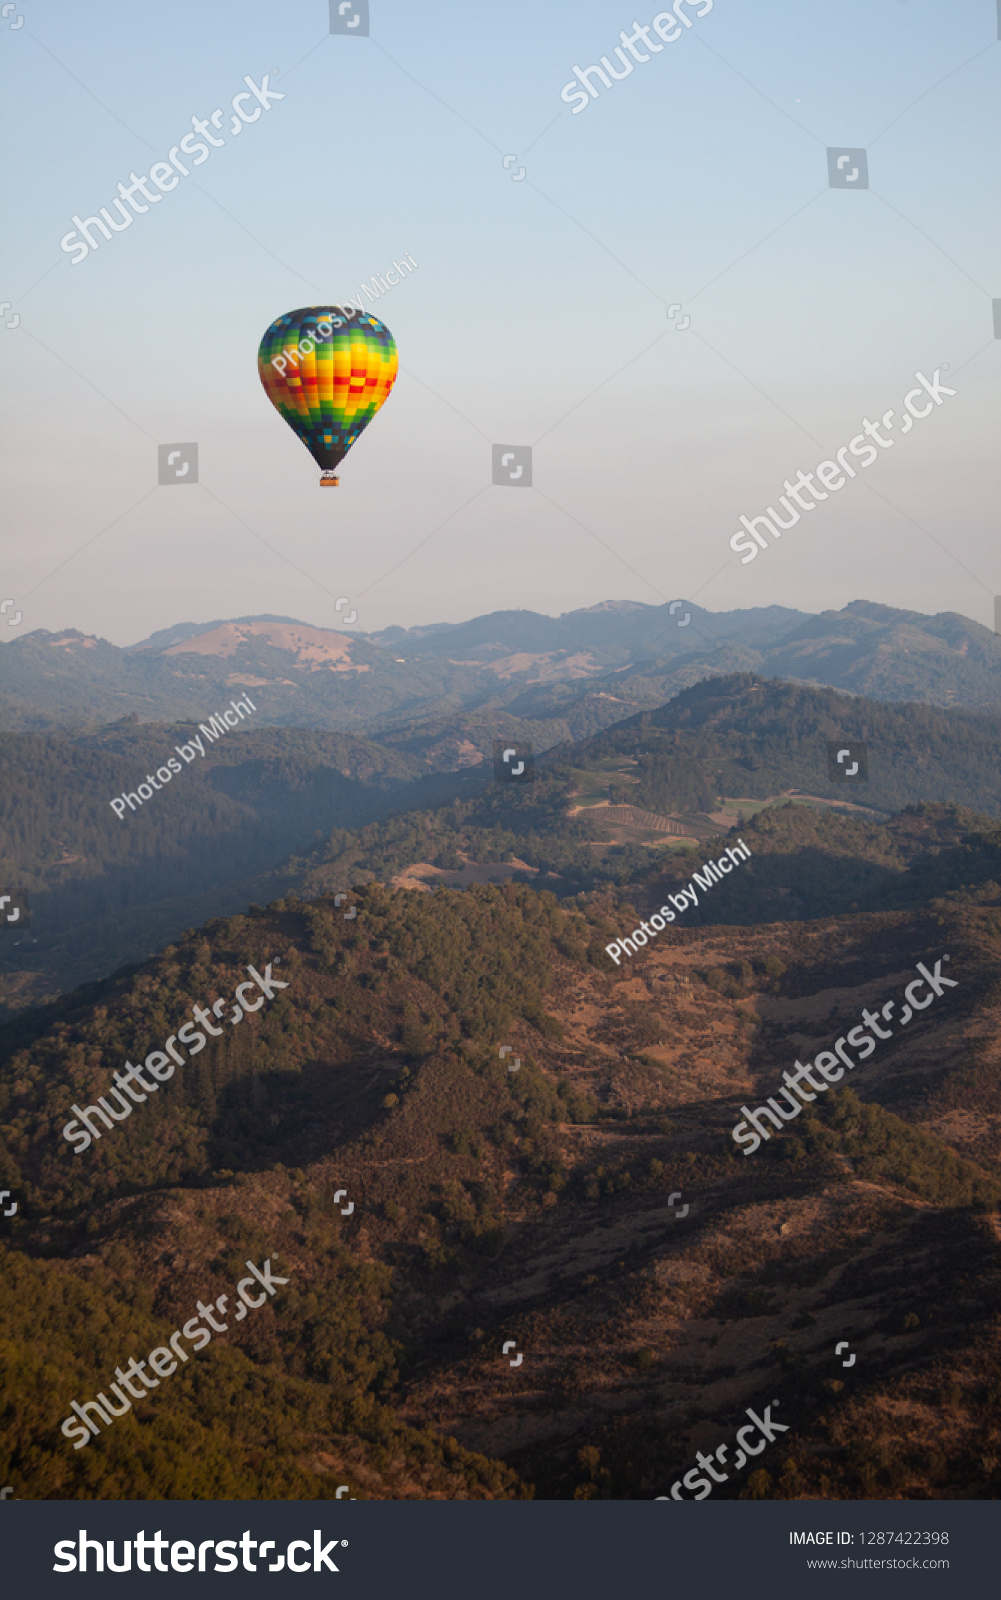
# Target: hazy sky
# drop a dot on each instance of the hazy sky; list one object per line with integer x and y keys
{"x": 537, "y": 314}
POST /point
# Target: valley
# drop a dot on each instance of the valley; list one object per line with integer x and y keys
{"x": 525, "y": 1256}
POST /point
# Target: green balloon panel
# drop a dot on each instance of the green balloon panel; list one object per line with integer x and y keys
{"x": 327, "y": 370}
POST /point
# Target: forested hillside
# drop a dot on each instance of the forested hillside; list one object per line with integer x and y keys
{"x": 534, "y": 1205}
{"x": 808, "y": 863}
{"x": 269, "y": 810}
{"x": 742, "y": 736}
{"x": 104, "y": 889}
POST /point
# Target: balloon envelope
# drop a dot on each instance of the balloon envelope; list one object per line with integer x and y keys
{"x": 327, "y": 370}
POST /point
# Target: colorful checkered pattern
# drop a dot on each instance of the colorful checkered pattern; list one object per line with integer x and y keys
{"x": 327, "y": 371}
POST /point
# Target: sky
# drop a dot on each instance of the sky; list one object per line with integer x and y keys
{"x": 558, "y": 255}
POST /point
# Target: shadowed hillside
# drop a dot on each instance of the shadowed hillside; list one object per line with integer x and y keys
{"x": 105, "y": 890}
{"x": 541, "y": 1205}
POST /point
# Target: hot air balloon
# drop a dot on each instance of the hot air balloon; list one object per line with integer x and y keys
{"x": 327, "y": 370}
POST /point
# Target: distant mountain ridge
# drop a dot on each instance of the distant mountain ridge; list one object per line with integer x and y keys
{"x": 166, "y": 638}
{"x": 619, "y": 629}
{"x": 893, "y": 655}
{"x": 568, "y": 676}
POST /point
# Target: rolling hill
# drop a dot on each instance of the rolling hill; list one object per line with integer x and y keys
{"x": 591, "y": 1206}
{"x": 268, "y": 810}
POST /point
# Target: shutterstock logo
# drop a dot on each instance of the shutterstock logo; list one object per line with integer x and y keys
{"x": 513, "y": 761}
{"x": 73, "y": 1554}
{"x": 88, "y": 232}
{"x": 512, "y": 465}
{"x": 349, "y": 16}
{"x": 641, "y": 47}
{"x": 177, "y": 463}
{"x": 834, "y": 474}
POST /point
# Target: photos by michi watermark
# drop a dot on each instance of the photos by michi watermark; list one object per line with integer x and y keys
{"x": 72, "y": 1553}
{"x": 218, "y": 725}
{"x": 832, "y": 474}
{"x": 292, "y": 353}
{"x": 165, "y": 173}
{"x": 81, "y": 1131}
{"x": 667, "y": 25}
{"x": 161, "y": 1360}
{"x": 827, "y": 1062}
{"x": 715, "y": 871}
